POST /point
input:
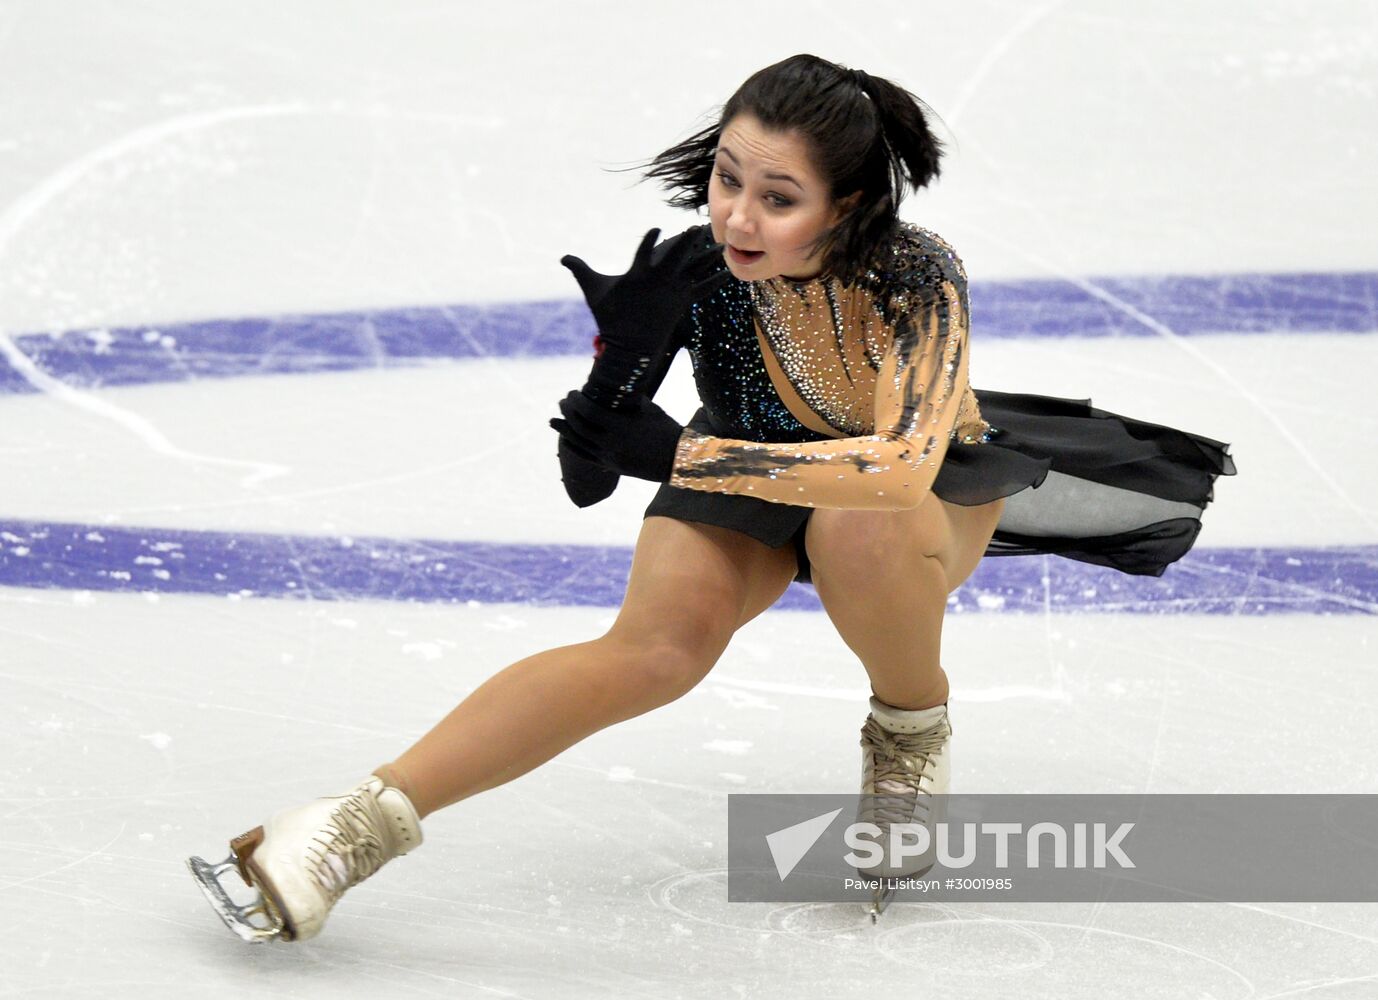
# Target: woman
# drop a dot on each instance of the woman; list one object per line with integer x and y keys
{"x": 839, "y": 443}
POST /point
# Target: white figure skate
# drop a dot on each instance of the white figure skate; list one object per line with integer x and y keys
{"x": 905, "y": 761}
{"x": 301, "y": 861}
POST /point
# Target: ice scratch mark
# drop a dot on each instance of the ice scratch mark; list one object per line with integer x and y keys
{"x": 141, "y": 428}
{"x": 71, "y": 864}
{"x": 1004, "y": 692}
{"x": 1346, "y": 932}
{"x": 1269, "y": 412}
{"x": 887, "y": 947}
{"x": 993, "y": 55}
{"x": 1323, "y": 984}
{"x": 29, "y": 205}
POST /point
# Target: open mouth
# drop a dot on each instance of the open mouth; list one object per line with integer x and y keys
{"x": 745, "y": 256}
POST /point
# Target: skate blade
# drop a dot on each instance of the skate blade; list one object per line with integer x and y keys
{"x": 238, "y": 918}
{"x": 880, "y": 900}
{"x": 881, "y": 897}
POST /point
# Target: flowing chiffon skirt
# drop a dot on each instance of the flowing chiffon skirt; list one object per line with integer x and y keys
{"x": 1079, "y": 482}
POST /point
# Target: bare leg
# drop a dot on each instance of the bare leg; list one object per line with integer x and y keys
{"x": 691, "y": 587}
{"x": 884, "y": 577}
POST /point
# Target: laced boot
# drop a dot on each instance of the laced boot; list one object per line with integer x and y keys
{"x": 905, "y": 761}
{"x": 302, "y": 860}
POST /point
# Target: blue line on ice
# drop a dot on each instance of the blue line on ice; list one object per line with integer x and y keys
{"x": 300, "y": 344}
{"x": 155, "y": 560}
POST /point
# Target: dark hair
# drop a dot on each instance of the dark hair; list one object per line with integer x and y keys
{"x": 865, "y": 134}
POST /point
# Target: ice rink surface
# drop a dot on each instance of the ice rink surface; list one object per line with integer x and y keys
{"x": 281, "y": 324}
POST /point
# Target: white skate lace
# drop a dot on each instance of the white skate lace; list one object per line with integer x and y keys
{"x": 899, "y": 765}
{"x": 347, "y": 850}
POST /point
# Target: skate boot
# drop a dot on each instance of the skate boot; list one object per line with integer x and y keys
{"x": 301, "y": 861}
{"x": 905, "y": 761}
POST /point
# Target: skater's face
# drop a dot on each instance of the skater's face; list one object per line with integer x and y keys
{"x": 766, "y": 196}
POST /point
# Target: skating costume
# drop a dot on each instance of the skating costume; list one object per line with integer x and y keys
{"x": 855, "y": 394}
{"x": 823, "y": 393}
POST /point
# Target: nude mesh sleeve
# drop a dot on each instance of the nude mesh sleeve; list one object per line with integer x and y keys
{"x": 919, "y": 391}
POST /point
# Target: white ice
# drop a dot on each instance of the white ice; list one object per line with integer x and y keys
{"x": 166, "y": 161}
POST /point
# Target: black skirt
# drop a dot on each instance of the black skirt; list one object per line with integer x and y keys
{"x": 1079, "y": 482}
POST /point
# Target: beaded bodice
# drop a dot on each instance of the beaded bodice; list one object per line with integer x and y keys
{"x": 877, "y": 362}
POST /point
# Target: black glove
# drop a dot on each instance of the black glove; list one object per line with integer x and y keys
{"x": 637, "y": 312}
{"x": 638, "y": 440}
{"x": 586, "y": 482}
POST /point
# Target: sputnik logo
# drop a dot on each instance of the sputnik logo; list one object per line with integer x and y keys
{"x": 788, "y": 846}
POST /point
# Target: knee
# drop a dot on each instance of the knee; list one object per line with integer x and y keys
{"x": 860, "y": 545}
{"x": 655, "y": 673}
{"x": 666, "y": 673}
{"x": 665, "y": 659}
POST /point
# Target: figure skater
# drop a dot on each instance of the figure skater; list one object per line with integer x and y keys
{"x": 839, "y": 443}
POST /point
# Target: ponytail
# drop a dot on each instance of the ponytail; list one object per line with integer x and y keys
{"x": 914, "y": 151}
